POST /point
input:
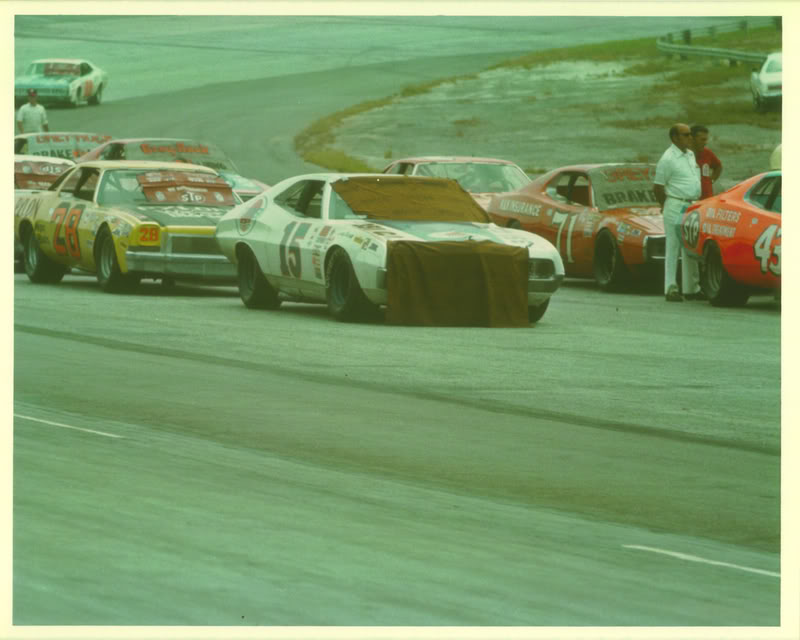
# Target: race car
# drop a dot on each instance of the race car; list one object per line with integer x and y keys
{"x": 125, "y": 221}
{"x": 38, "y": 172}
{"x": 481, "y": 177}
{"x": 421, "y": 247}
{"x": 603, "y": 218}
{"x": 67, "y": 81}
{"x": 766, "y": 82}
{"x": 35, "y": 173}
{"x": 180, "y": 150}
{"x": 58, "y": 144}
{"x": 737, "y": 237}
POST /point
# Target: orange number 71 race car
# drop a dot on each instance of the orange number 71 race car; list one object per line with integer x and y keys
{"x": 603, "y": 218}
{"x": 737, "y": 237}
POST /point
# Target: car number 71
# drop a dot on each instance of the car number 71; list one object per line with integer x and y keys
{"x": 560, "y": 218}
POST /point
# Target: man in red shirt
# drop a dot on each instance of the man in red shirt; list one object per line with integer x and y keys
{"x": 707, "y": 160}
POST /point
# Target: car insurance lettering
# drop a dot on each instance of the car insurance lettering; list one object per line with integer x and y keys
{"x": 516, "y": 206}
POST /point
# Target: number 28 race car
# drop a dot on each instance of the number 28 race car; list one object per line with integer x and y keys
{"x": 125, "y": 221}
{"x": 62, "y": 81}
{"x": 737, "y": 236}
{"x": 604, "y": 219}
{"x": 421, "y": 247}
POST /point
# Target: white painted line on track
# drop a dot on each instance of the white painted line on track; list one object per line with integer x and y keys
{"x": 684, "y": 556}
{"x": 68, "y": 426}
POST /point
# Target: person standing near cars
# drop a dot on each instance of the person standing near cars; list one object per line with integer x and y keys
{"x": 707, "y": 160}
{"x": 31, "y": 116}
{"x": 676, "y": 186}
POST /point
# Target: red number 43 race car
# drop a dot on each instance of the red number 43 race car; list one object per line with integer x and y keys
{"x": 737, "y": 237}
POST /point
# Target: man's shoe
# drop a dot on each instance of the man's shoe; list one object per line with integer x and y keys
{"x": 696, "y": 296}
{"x": 673, "y": 295}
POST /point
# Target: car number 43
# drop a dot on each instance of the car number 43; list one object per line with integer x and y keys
{"x": 764, "y": 251}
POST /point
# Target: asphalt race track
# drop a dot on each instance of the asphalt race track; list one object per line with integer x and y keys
{"x": 181, "y": 460}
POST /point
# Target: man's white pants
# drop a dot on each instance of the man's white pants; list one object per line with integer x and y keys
{"x": 690, "y": 275}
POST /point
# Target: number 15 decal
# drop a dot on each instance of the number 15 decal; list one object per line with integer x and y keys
{"x": 289, "y": 250}
{"x": 68, "y": 218}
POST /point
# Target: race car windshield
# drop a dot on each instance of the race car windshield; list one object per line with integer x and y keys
{"x": 180, "y": 151}
{"x": 132, "y": 187}
{"x": 623, "y": 186}
{"x": 477, "y": 177}
{"x": 409, "y": 198}
{"x": 53, "y": 69}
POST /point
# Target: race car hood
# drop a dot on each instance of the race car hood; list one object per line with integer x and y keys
{"x": 241, "y": 184}
{"x": 453, "y": 232}
{"x": 178, "y": 215}
{"x": 648, "y": 219}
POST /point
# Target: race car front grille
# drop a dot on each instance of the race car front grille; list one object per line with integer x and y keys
{"x": 206, "y": 245}
{"x": 654, "y": 248}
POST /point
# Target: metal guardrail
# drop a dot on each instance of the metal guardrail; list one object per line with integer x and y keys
{"x": 668, "y": 44}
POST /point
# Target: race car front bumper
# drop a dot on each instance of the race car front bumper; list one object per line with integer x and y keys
{"x": 186, "y": 257}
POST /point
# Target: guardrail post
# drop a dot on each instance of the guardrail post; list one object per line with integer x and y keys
{"x": 687, "y": 38}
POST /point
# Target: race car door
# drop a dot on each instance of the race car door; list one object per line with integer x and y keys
{"x": 67, "y": 239}
{"x": 289, "y": 255}
{"x": 572, "y": 200}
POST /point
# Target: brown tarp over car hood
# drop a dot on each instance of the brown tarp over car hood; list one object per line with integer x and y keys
{"x": 409, "y": 198}
{"x": 464, "y": 284}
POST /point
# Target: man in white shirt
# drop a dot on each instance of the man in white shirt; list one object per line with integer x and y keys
{"x": 32, "y": 117}
{"x": 677, "y": 185}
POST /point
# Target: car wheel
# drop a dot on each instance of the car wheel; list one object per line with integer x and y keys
{"x": 255, "y": 291}
{"x": 346, "y": 299}
{"x": 720, "y": 288}
{"x": 109, "y": 275}
{"x": 97, "y": 98}
{"x": 39, "y": 268}
{"x": 608, "y": 266}
{"x": 514, "y": 224}
{"x": 758, "y": 103}
{"x": 535, "y": 313}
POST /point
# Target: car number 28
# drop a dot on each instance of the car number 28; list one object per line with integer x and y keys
{"x": 68, "y": 218}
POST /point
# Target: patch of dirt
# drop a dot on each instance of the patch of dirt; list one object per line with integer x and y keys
{"x": 547, "y": 117}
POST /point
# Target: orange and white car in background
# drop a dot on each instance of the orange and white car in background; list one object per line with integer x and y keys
{"x": 603, "y": 218}
{"x": 737, "y": 237}
{"x": 125, "y": 221}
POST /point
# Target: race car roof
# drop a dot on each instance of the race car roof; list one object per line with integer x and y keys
{"x": 465, "y": 159}
{"x": 24, "y": 157}
{"x": 152, "y": 165}
{"x": 408, "y": 198}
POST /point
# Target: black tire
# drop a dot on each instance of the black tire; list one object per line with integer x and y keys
{"x": 514, "y": 224}
{"x": 758, "y": 103}
{"x": 255, "y": 291}
{"x": 39, "y": 268}
{"x": 721, "y": 289}
{"x": 109, "y": 275}
{"x": 97, "y": 98}
{"x": 346, "y": 299}
{"x": 535, "y": 313}
{"x": 608, "y": 265}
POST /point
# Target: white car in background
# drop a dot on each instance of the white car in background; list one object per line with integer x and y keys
{"x": 65, "y": 81}
{"x": 766, "y": 83}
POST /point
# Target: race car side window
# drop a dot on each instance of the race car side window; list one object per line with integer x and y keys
{"x": 401, "y": 168}
{"x": 303, "y": 198}
{"x": 82, "y": 183}
{"x": 767, "y": 194}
